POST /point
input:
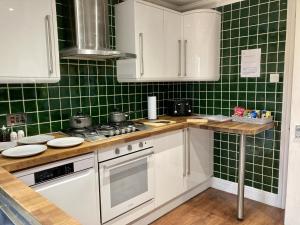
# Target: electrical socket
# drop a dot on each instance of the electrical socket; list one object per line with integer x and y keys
{"x": 274, "y": 78}
{"x": 16, "y": 119}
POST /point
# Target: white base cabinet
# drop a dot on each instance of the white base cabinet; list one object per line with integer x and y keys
{"x": 170, "y": 46}
{"x": 29, "y": 42}
{"x": 183, "y": 160}
{"x": 169, "y": 166}
{"x": 199, "y": 148}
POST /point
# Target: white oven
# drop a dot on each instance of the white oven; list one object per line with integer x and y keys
{"x": 126, "y": 178}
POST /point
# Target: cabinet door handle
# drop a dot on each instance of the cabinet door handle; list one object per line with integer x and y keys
{"x": 184, "y": 152}
{"x": 188, "y": 152}
{"x": 179, "y": 58}
{"x": 185, "y": 50}
{"x": 49, "y": 43}
{"x": 141, "y": 38}
{"x": 126, "y": 162}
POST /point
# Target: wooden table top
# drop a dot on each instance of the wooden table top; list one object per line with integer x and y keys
{"x": 47, "y": 213}
{"x": 234, "y": 127}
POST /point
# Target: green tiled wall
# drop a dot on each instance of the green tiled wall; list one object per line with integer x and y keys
{"x": 246, "y": 25}
{"x": 92, "y": 87}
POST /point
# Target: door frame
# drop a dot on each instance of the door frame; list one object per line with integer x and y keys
{"x": 286, "y": 104}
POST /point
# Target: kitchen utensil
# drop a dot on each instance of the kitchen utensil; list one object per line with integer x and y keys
{"x": 80, "y": 121}
{"x": 24, "y": 151}
{"x": 117, "y": 116}
{"x": 65, "y": 142}
{"x": 7, "y": 145}
{"x": 36, "y": 139}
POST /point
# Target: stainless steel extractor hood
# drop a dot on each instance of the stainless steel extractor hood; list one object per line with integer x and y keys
{"x": 91, "y": 33}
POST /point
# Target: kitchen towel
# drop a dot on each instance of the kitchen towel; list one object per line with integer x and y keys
{"x": 152, "y": 115}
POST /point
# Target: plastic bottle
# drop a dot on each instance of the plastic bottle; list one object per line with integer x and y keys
{"x": 13, "y": 135}
{"x": 21, "y": 134}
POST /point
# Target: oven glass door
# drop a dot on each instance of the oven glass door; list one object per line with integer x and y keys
{"x": 126, "y": 183}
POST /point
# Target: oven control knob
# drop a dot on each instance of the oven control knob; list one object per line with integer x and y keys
{"x": 141, "y": 144}
{"x": 111, "y": 133}
{"x": 129, "y": 148}
{"x": 133, "y": 129}
{"x": 117, "y": 151}
{"x": 128, "y": 129}
{"x": 123, "y": 131}
{"x": 117, "y": 132}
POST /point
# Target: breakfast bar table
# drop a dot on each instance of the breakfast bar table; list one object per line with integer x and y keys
{"x": 243, "y": 129}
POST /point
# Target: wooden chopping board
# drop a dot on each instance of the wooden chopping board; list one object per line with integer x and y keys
{"x": 159, "y": 123}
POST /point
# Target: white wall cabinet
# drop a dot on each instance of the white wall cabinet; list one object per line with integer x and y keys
{"x": 29, "y": 42}
{"x": 149, "y": 29}
{"x": 170, "y": 46}
{"x": 139, "y": 30}
{"x": 169, "y": 166}
{"x": 201, "y": 37}
{"x": 199, "y": 151}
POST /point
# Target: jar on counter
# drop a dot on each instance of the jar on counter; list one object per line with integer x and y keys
{"x": 4, "y": 134}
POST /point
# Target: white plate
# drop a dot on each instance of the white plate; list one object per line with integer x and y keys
{"x": 65, "y": 142}
{"x": 7, "y": 145}
{"x": 24, "y": 151}
{"x": 36, "y": 139}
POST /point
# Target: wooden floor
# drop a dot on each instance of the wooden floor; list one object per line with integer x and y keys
{"x": 214, "y": 207}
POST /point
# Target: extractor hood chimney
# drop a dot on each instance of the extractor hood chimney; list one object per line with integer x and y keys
{"x": 91, "y": 33}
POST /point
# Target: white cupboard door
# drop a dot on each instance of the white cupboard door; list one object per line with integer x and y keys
{"x": 199, "y": 157}
{"x": 150, "y": 41}
{"x": 201, "y": 33}
{"x": 169, "y": 165}
{"x": 28, "y": 48}
{"x": 173, "y": 45}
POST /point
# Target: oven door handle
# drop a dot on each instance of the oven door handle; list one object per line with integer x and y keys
{"x": 126, "y": 161}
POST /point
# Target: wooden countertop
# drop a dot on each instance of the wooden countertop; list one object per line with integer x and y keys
{"x": 234, "y": 127}
{"x": 47, "y": 213}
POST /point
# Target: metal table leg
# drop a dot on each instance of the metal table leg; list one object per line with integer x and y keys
{"x": 240, "y": 200}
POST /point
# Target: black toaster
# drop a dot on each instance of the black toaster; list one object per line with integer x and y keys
{"x": 179, "y": 107}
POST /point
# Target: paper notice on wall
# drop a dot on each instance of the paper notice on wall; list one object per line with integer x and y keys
{"x": 250, "y": 63}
